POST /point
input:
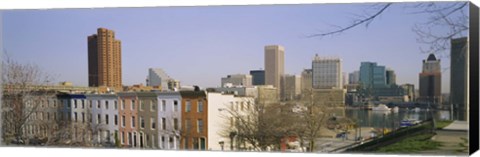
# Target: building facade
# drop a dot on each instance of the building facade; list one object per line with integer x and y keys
{"x": 148, "y": 123}
{"x": 128, "y": 114}
{"x": 354, "y": 77}
{"x": 307, "y": 76}
{"x": 158, "y": 77}
{"x": 327, "y": 73}
{"x": 237, "y": 80}
{"x": 274, "y": 64}
{"x": 194, "y": 134}
{"x": 391, "y": 77}
{"x": 258, "y": 77}
{"x": 169, "y": 118}
{"x": 291, "y": 87}
{"x": 104, "y": 59}
{"x": 459, "y": 68}
{"x": 431, "y": 81}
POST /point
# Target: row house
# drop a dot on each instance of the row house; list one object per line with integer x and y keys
{"x": 128, "y": 119}
{"x": 72, "y": 117}
{"x": 103, "y": 118}
{"x": 169, "y": 118}
{"x": 147, "y": 120}
{"x": 194, "y": 133}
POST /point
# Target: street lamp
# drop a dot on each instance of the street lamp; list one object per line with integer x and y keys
{"x": 221, "y": 143}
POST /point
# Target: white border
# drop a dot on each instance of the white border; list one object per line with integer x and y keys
{"x": 74, "y": 152}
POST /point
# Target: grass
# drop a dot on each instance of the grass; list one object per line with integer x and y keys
{"x": 443, "y": 123}
{"x": 412, "y": 144}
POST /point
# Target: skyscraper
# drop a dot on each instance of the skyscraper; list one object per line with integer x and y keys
{"x": 372, "y": 75}
{"x": 459, "y": 77}
{"x": 391, "y": 77}
{"x": 327, "y": 73}
{"x": 307, "y": 76}
{"x": 237, "y": 80}
{"x": 104, "y": 59}
{"x": 354, "y": 77}
{"x": 291, "y": 85}
{"x": 431, "y": 81}
{"x": 258, "y": 77}
{"x": 274, "y": 64}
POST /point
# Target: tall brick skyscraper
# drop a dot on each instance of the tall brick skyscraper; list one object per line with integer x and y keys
{"x": 104, "y": 59}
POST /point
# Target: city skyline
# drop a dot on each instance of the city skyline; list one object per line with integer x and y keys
{"x": 234, "y": 40}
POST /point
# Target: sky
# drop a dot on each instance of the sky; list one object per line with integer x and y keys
{"x": 199, "y": 45}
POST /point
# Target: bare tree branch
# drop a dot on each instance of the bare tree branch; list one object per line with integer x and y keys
{"x": 356, "y": 23}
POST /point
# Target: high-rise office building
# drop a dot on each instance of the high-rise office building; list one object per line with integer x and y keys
{"x": 431, "y": 81}
{"x": 258, "y": 77}
{"x": 291, "y": 87}
{"x": 391, "y": 78}
{"x": 372, "y": 75}
{"x": 274, "y": 64}
{"x": 307, "y": 76}
{"x": 354, "y": 77}
{"x": 345, "y": 78}
{"x": 459, "y": 61}
{"x": 237, "y": 80}
{"x": 327, "y": 73}
{"x": 104, "y": 59}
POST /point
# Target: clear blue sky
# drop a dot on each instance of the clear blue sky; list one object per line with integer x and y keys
{"x": 199, "y": 45}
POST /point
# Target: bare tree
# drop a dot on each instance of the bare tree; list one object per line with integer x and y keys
{"x": 258, "y": 125}
{"x": 312, "y": 113}
{"x": 21, "y": 99}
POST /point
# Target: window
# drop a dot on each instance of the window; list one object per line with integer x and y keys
{"x": 152, "y": 106}
{"x": 99, "y": 118}
{"x": 75, "y": 116}
{"x": 122, "y": 137}
{"x": 187, "y": 125}
{"x": 175, "y": 123}
{"x": 199, "y": 126}
{"x": 142, "y": 122}
{"x": 68, "y": 103}
{"x": 106, "y": 119}
{"x": 164, "y": 105}
{"x": 152, "y": 120}
{"x": 83, "y": 117}
{"x": 98, "y": 104}
{"x": 130, "y": 138}
{"x": 75, "y": 103}
{"x": 187, "y": 106}
{"x": 106, "y": 104}
{"x": 241, "y": 106}
{"x": 116, "y": 120}
{"x": 132, "y": 106}
{"x": 200, "y": 106}
{"x": 142, "y": 105}
{"x": 164, "y": 124}
{"x": 123, "y": 104}
{"x": 123, "y": 121}
{"x": 115, "y": 105}
{"x": 83, "y": 104}
{"x": 175, "y": 105}
{"x": 90, "y": 104}
{"x": 133, "y": 121}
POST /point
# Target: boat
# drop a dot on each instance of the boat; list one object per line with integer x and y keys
{"x": 395, "y": 109}
{"x": 409, "y": 122}
{"x": 381, "y": 107}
